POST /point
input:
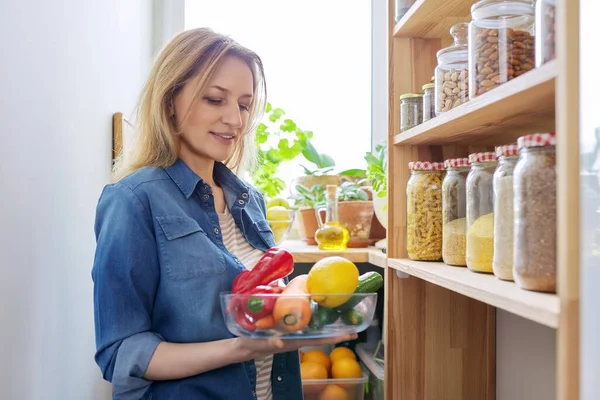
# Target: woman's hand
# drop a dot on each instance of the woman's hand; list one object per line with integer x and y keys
{"x": 253, "y": 348}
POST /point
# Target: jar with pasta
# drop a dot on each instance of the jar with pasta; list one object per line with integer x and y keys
{"x": 451, "y": 73}
{"x": 480, "y": 212}
{"x": 424, "y": 211}
{"x": 502, "y": 262}
{"x": 501, "y": 43}
{"x": 535, "y": 213}
{"x": 454, "y": 211}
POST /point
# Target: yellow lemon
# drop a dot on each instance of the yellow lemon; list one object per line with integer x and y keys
{"x": 332, "y": 275}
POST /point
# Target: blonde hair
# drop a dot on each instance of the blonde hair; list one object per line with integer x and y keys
{"x": 190, "y": 54}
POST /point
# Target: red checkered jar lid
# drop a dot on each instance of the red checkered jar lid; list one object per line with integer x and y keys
{"x": 537, "y": 140}
{"x": 487, "y": 156}
{"x": 456, "y": 162}
{"x": 425, "y": 166}
{"x": 507, "y": 150}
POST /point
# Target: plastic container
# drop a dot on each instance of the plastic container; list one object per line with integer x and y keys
{"x": 535, "y": 213}
{"x": 452, "y": 72}
{"x": 501, "y": 43}
{"x": 280, "y": 221}
{"x": 454, "y": 211}
{"x": 545, "y": 31}
{"x": 354, "y": 320}
{"x": 375, "y": 369}
{"x": 502, "y": 262}
{"x": 480, "y": 212}
{"x": 428, "y": 101}
{"x": 424, "y": 210}
{"x": 411, "y": 110}
{"x": 317, "y": 389}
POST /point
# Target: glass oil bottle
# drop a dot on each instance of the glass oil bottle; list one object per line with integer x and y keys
{"x": 331, "y": 235}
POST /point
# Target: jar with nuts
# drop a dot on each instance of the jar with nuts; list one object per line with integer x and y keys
{"x": 424, "y": 211}
{"x": 501, "y": 43}
{"x": 451, "y": 73}
{"x": 480, "y": 212}
{"x": 534, "y": 262}
{"x": 545, "y": 32}
{"x": 454, "y": 211}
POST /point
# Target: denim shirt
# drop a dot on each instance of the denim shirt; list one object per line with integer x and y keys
{"x": 159, "y": 267}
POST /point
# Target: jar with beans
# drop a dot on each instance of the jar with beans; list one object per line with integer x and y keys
{"x": 535, "y": 213}
{"x": 411, "y": 110}
{"x": 501, "y": 43}
{"x": 502, "y": 262}
{"x": 451, "y": 73}
{"x": 545, "y": 31}
{"x": 454, "y": 211}
{"x": 424, "y": 211}
{"x": 480, "y": 212}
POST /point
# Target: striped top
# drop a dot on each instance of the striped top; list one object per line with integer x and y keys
{"x": 236, "y": 243}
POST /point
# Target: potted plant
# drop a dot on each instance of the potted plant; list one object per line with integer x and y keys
{"x": 377, "y": 176}
{"x": 306, "y": 201}
{"x": 355, "y": 212}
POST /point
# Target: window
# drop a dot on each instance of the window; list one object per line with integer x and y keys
{"x": 317, "y": 56}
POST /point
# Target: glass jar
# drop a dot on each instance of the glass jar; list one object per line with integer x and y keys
{"x": 454, "y": 211}
{"x": 545, "y": 31}
{"x": 480, "y": 212}
{"x": 402, "y": 6}
{"x": 411, "y": 110}
{"x": 424, "y": 211}
{"x": 535, "y": 213}
{"x": 428, "y": 102}
{"x": 502, "y": 261}
{"x": 501, "y": 43}
{"x": 452, "y": 73}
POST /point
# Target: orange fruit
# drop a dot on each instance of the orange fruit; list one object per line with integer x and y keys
{"x": 311, "y": 371}
{"x": 346, "y": 368}
{"x": 333, "y": 392}
{"x": 341, "y": 352}
{"x": 301, "y": 354}
{"x": 317, "y": 356}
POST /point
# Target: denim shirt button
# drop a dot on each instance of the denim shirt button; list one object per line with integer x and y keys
{"x": 216, "y": 231}
{"x": 241, "y": 201}
{"x": 206, "y": 197}
{"x": 279, "y": 378}
{"x": 245, "y": 195}
{"x": 206, "y": 188}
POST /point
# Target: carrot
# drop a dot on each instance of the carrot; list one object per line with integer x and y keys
{"x": 292, "y": 310}
{"x": 267, "y": 322}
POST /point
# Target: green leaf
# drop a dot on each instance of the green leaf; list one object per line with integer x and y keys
{"x": 326, "y": 161}
{"x": 310, "y": 153}
{"x": 273, "y": 156}
{"x": 354, "y": 172}
{"x": 362, "y": 195}
{"x": 288, "y": 126}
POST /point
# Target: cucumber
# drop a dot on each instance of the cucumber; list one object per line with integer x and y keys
{"x": 368, "y": 282}
{"x": 322, "y": 316}
{"x": 352, "y": 317}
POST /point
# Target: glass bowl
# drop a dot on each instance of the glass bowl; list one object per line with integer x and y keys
{"x": 297, "y": 316}
{"x": 280, "y": 220}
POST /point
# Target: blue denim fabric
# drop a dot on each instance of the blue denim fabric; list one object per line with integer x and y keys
{"x": 159, "y": 267}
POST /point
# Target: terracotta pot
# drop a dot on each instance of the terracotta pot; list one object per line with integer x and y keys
{"x": 308, "y": 221}
{"x": 357, "y": 217}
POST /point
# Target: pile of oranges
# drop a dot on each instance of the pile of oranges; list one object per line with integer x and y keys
{"x": 341, "y": 363}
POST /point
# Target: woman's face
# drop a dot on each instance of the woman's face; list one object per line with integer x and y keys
{"x": 218, "y": 118}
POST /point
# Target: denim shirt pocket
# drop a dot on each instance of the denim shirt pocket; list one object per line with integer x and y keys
{"x": 187, "y": 252}
{"x": 265, "y": 232}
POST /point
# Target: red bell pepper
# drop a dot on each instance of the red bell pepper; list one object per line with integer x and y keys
{"x": 258, "y": 306}
{"x": 243, "y": 320}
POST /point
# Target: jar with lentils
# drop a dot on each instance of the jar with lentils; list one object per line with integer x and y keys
{"x": 502, "y": 261}
{"x": 501, "y": 43}
{"x": 424, "y": 210}
{"x": 480, "y": 212}
{"x": 428, "y": 101}
{"x": 454, "y": 211}
{"x": 411, "y": 110}
{"x": 535, "y": 213}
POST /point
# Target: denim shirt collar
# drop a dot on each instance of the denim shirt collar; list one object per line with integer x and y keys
{"x": 187, "y": 180}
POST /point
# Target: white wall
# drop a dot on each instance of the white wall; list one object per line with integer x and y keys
{"x": 66, "y": 67}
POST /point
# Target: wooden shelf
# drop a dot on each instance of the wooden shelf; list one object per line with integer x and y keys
{"x": 542, "y": 308}
{"x": 523, "y": 105}
{"x": 432, "y": 18}
{"x": 304, "y": 253}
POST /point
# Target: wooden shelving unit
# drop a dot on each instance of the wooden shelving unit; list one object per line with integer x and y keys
{"x": 440, "y": 325}
{"x": 304, "y": 253}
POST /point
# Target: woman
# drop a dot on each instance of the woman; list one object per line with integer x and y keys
{"x": 178, "y": 226}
